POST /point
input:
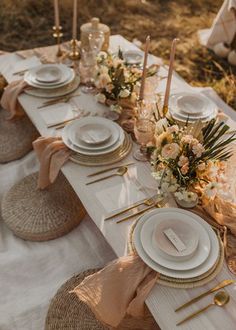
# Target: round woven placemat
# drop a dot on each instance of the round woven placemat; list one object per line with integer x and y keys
{"x": 189, "y": 282}
{"x": 16, "y": 137}
{"x": 68, "y": 312}
{"x": 41, "y": 215}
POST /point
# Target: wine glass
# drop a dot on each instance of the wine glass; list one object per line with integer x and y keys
{"x": 144, "y": 131}
{"x": 96, "y": 40}
{"x": 88, "y": 69}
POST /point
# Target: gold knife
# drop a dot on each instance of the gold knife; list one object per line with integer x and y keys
{"x": 136, "y": 213}
{"x": 63, "y": 122}
{"x": 108, "y": 169}
{"x": 223, "y": 284}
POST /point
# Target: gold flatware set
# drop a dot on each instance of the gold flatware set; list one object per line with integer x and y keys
{"x": 120, "y": 172}
{"x": 63, "y": 99}
{"x": 221, "y": 298}
{"x": 153, "y": 205}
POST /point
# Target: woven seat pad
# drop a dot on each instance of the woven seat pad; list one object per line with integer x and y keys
{"x": 16, "y": 137}
{"x": 41, "y": 215}
{"x": 68, "y": 312}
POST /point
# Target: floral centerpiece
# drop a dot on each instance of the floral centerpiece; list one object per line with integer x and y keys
{"x": 188, "y": 160}
{"x": 116, "y": 81}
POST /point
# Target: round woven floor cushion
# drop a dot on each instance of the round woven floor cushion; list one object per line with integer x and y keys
{"x": 41, "y": 215}
{"x": 16, "y": 137}
{"x": 68, "y": 312}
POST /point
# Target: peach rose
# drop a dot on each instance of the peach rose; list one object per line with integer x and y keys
{"x": 170, "y": 150}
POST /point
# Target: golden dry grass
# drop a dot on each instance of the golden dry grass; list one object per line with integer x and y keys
{"x": 27, "y": 24}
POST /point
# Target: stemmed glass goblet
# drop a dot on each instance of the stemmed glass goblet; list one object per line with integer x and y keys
{"x": 144, "y": 131}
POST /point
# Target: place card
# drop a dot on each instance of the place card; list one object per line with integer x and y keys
{"x": 174, "y": 239}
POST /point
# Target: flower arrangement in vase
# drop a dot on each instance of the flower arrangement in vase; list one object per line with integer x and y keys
{"x": 188, "y": 162}
{"x": 116, "y": 81}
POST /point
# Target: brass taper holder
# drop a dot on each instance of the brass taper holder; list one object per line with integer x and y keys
{"x": 57, "y": 34}
{"x": 74, "y": 54}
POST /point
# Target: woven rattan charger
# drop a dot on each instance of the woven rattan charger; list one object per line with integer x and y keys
{"x": 68, "y": 312}
{"x": 16, "y": 137}
{"x": 41, "y": 215}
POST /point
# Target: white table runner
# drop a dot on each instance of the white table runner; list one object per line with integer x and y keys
{"x": 162, "y": 301}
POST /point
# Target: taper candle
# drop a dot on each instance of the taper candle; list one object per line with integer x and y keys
{"x": 142, "y": 87}
{"x": 74, "y": 29}
{"x": 56, "y": 13}
{"x": 170, "y": 72}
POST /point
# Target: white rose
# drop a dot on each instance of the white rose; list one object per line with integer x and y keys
{"x": 124, "y": 93}
{"x": 101, "y": 98}
{"x": 116, "y": 108}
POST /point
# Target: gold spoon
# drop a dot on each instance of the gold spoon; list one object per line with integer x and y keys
{"x": 221, "y": 298}
{"x": 120, "y": 172}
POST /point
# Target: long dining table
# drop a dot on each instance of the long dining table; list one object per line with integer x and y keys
{"x": 101, "y": 199}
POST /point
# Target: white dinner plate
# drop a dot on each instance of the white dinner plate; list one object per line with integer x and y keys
{"x": 94, "y": 134}
{"x": 75, "y": 128}
{"x": 95, "y": 152}
{"x": 186, "y": 233}
{"x": 67, "y": 76}
{"x": 133, "y": 57}
{"x": 192, "y": 104}
{"x": 176, "y": 114}
{"x": 201, "y": 252}
{"x": 184, "y": 274}
{"x": 48, "y": 74}
{"x": 203, "y": 112}
{"x": 51, "y": 93}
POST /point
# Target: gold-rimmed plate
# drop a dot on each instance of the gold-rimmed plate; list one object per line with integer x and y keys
{"x": 108, "y": 159}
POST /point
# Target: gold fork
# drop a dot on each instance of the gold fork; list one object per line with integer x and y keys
{"x": 64, "y": 99}
{"x": 147, "y": 202}
{"x": 157, "y": 205}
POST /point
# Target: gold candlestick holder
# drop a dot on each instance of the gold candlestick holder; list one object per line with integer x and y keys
{"x": 57, "y": 34}
{"x": 74, "y": 54}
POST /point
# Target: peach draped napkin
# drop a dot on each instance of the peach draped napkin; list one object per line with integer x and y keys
{"x": 52, "y": 154}
{"x": 119, "y": 288}
{"x": 9, "y": 99}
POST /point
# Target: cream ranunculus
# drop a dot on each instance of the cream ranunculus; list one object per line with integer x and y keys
{"x": 103, "y": 80}
{"x": 101, "y": 98}
{"x": 116, "y": 108}
{"x": 124, "y": 93}
{"x": 170, "y": 150}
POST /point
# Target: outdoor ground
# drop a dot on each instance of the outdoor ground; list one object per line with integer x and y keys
{"x": 28, "y": 23}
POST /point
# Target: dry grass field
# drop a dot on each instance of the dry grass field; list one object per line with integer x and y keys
{"x": 27, "y": 24}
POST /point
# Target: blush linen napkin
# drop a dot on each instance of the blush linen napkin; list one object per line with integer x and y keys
{"x": 9, "y": 99}
{"x": 118, "y": 289}
{"x": 52, "y": 154}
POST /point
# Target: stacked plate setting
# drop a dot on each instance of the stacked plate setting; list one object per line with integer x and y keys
{"x": 50, "y": 80}
{"x": 93, "y": 137}
{"x": 200, "y": 248}
{"x": 191, "y": 107}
